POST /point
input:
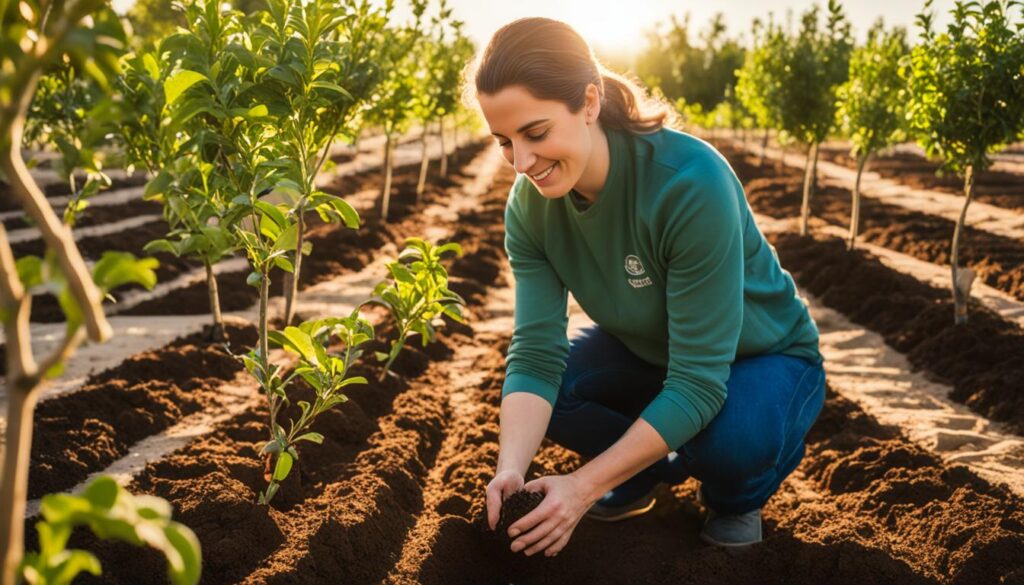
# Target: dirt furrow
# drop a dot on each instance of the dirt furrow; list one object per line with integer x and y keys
{"x": 776, "y": 191}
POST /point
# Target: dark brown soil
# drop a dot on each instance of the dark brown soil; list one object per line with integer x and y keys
{"x": 99, "y": 214}
{"x": 999, "y": 188}
{"x": 8, "y": 202}
{"x": 85, "y": 431}
{"x": 866, "y": 505}
{"x": 516, "y": 506}
{"x": 45, "y": 308}
{"x": 777, "y": 192}
{"x": 981, "y": 359}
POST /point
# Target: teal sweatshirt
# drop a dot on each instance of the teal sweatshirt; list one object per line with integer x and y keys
{"x": 667, "y": 259}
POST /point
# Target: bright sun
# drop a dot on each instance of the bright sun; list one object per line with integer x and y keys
{"x": 613, "y": 26}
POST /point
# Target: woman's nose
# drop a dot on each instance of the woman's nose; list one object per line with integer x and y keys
{"x": 522, "y": 158}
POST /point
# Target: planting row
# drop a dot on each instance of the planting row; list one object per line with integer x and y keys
{"x": 774, "y": 190}
{"x": 154, "y": 390}
{"x": 346, "y": 491}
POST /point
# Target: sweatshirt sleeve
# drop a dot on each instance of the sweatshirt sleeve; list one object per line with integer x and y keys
{"x": 702, "y": 243}
{"x": 536, "y": 356}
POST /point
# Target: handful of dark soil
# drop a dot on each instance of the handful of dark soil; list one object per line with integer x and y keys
{"x": 516, "y": 506}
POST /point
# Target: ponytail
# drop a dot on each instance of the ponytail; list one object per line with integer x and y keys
{"x": 626, "y": 106}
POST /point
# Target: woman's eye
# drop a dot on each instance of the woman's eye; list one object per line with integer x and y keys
{"x": 505, "y": 144}
{"x": 538, "y": 137}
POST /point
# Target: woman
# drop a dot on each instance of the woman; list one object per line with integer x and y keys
{"x": 703, "y": 361}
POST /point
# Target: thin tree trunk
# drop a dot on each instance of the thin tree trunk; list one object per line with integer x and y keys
{"x": 764, "y": 148}
{"x": 424, "y": 163}
{"x": 217, "y": 333}
{"x": 809, "y": 170}
{"x": 15, "y": 479}
{"x": 444, "y": 151}
{"x": 386, "y": 190}
{"x": 961, "y": 290}
{"x": 293, "y": 282}
{"x": 455, "y": 141}
{"x": 855, "y": 215}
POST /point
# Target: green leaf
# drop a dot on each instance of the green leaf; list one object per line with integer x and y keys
{"x": 331, "y": 87}
{"x": 30, "y": 271}
{"x": 157, "y": 246}
{"x": 311, "y": 437}
{"x": 254, "y": 279}
{"x": 115, "y": 269}
{"x": 103, "y": 492}
{"x": 301, "y": 343}
{"x": 185, "y": 566}
{"x": 179, "y": 82}
{"x": 74, "y": 563}
{"x": 283, "y": 466}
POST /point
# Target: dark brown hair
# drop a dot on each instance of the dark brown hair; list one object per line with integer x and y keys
{"x": 553, "y": 62}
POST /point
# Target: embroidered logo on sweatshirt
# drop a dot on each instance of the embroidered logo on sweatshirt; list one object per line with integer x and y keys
{"x": 634, "y": 267}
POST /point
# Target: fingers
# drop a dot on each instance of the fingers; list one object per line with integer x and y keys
{"x": 547, "y": 541}
{"x": 494, "y": 496}
{"x": 539, "y": 533}
{"x": 559, "y": 544}
{"x": 502, "y": 486}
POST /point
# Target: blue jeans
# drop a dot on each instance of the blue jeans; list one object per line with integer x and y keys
{"x": 740, "y": 457}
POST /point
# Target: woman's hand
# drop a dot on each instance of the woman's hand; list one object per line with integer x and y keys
{"x": 548, "y": 527}
{"x": 502, "y": 486}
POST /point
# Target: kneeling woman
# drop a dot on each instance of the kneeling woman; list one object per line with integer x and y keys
{"x": 703, "y": 360}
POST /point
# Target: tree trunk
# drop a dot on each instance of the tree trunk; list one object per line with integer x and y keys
{"x": 764, "y": 148}
{"x": 14, "y": 489}
{"x": 293, "y": 282}
{"x": 424, "y": 163}
{"x": 444, "y": 151}
{"x": 455, "y": 142}
{"x": 809, "y": 171}
{"x": 385, "y": 194}
{"x": 855, "y": 214}
{"x": 961, "y": 290}
{"x": 217, "y": 333}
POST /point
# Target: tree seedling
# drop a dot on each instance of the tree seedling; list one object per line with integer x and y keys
{"x": 326, "y": 374}
{"x": 417, "y": 295}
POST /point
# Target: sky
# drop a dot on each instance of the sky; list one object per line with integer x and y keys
{"x": 617, "y": 27}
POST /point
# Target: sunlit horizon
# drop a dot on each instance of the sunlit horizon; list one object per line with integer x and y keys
{"x": 619, "y": 29}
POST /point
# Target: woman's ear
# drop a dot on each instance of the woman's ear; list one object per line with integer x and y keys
{"x": 592, "y": 103}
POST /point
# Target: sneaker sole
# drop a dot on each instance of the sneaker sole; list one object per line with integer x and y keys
{"x": 624, "y": 515}
{"x": 733, "y": 545}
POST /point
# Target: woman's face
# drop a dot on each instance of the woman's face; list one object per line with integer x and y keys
{"x": 542, "y": 138}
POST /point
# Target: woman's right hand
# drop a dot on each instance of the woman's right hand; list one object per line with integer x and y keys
{"x": 502, "y": 486}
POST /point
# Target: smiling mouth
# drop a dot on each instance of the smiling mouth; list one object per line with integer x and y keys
{"x": 544, "y": 174}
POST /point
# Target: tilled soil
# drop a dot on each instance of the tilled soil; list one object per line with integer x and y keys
{"x": 979, "y": 359}
{"x": 97, "y": 214}
{"x": 999, "y": 188}
{"x": 9, "y": 202}
{"x": 76, "y": 434}
{"x": 82, "y": 432}
{"x": 777, "y": 191}
{"x": 396, "y": 492}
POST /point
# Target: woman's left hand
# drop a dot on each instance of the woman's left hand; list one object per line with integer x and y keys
{"x": 548, "y": 526}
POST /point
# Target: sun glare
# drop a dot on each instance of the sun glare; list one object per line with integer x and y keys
{"x": 609, "y": 26}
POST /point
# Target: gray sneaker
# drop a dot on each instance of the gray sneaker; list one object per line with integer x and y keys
{"x": 730, "y": 530}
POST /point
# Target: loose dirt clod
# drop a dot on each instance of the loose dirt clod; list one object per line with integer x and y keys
{"x": 516, "y": 506}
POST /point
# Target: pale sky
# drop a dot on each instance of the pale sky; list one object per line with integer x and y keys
{"x": 617, "y": 27}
